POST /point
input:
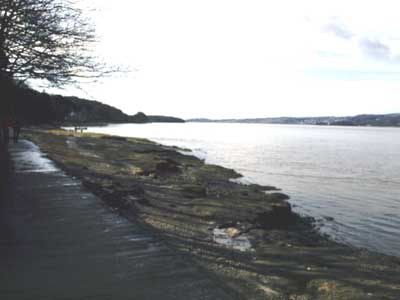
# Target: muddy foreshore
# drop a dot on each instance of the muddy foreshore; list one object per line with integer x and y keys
{"x": 191, "y": 205}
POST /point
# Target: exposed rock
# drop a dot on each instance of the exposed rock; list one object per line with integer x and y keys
{"x": 278, "y": 196}
{"x": 239, "y": 242}
{"x": 333, "y": 289}
{"x": 166, "y": 167}
{"x": 193, "y": 190}
{"x": 279, "y": 216}
{"x": 232, "y": 232}
{"x": 280, "y": 250}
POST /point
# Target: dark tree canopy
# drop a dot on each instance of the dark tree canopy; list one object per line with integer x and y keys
{"x": 47, "y": 40}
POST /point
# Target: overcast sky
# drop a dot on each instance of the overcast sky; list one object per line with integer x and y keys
{"x": 249, "y": 58}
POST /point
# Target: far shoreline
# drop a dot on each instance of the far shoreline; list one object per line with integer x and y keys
{"x": 105, "y": 124}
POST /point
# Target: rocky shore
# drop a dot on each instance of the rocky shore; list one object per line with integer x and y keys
{"x": 245, "y": 236}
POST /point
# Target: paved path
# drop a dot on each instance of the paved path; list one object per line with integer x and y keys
{"x": 58, "y": 241}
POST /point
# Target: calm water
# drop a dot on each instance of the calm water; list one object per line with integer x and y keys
{"x": 350, "y": 174}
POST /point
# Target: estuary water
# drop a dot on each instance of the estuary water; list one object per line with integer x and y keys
{"x": 348, "y": 178}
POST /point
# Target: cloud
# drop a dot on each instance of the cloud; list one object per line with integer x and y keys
{"x": 357, "y": 40}
{"x": 375, "y": 49}
{"x": 338, "y": 30}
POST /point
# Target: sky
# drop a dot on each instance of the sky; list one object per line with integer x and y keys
{"x": 247, "y": 58}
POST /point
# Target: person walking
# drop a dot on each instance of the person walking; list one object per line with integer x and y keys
{"x": 17, "y": 129}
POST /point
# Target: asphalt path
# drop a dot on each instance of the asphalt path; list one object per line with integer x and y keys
{"x": 59, "y": 241}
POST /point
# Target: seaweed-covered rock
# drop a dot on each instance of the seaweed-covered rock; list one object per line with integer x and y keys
{"x": 279, "y": 215}
{"x": 166, "y": 167}
{"x": 193, "y": 190}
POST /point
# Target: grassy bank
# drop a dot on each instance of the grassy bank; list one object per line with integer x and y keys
{"x": 187, "y": 202}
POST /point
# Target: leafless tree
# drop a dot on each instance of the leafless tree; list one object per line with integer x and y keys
{"x": 47, "y": 40}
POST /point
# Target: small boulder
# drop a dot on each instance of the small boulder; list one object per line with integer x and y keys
{"x": 277, "y": 196}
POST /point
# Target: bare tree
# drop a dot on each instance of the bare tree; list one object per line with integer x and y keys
{"x": 45, "y": 39}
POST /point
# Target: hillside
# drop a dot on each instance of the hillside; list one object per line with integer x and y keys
{"x": 359, "y": 120}
{"x": 164, "y": 119}
{"x": 34, "y": 107}
{"x": 142, "y": 118}
{"x": 371, "y": 120}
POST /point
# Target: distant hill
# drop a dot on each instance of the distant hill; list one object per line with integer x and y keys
{"x": 164, "y": 119}
{"x": 142, "y": 118}
{"x": 371, "y": 120}
{"x": 34, "y": 107}
{"x": 359, "y": 120}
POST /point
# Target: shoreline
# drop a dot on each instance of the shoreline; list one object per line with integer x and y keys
{"x": 186, "y": 200}
{"x": 312, "y": 165}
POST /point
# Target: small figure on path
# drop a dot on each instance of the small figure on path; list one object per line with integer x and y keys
{"x": 17, "y": 129}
